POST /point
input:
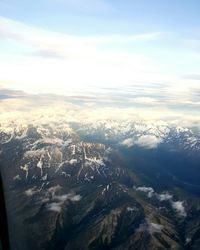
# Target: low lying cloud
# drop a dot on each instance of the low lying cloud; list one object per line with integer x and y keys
{"x": 148, "y": 141}
{"x": 75, "y": 197}
{"x": 164, "y": 196}
{"x": 128, "y": 142}
{"x": 54, "y": 207}
{"x": 178, "y": 206}
{"x": 31, "y": 191}
{"x": 59, "y": 200}
{"x": 54, "y": 189}
{"x": 144, "y": 141}
{"x": 150, "y": 227}
{"x": 148, "y": 190}
{"x": 52, "y": 197}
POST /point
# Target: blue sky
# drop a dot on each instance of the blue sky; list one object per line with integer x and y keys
{"x": 97, "y": 16}
{"x": 90, "y": 46}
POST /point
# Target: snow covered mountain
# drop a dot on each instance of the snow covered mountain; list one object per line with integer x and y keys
{"x": 145, "y": 134}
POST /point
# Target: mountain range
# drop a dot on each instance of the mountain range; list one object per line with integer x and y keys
{"x": 106, "y": 184}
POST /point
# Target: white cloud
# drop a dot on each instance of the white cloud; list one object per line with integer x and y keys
{"x": 128, "y": 142}
{"x": 149, "y": 190}
{"x": 164, "y": 196}
{"x": 52, "y": 62}
{"x": 179, "y": 208}
{"x": 60, "y": 63}
{"x": 52, "y": 108}
{"x": 148, "y": 141}
{"x": 54, "y": 207}
{"x": 56, "y": 202}
{"x": 31, "y": 191}
{"x": 192, "y": 77}
{"x": 145, "y": 100}
{"x": 17, "y": 177}
{"x": 145, "y": 141}
{"x": 61, "y": 198}
{"x": 75, "y": 197}
{"x": 52, "y": 198}
{"x": 145, "y": 189}
{"x": 150, "y": 227}
{"x": 54, "y": 189}
{"x": 20, "y": 32}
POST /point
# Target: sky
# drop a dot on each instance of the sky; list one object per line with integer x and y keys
{"x": 135, "y": 52}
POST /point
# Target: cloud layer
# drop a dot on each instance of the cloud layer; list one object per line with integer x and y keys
{"x": 17, "y": 105}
